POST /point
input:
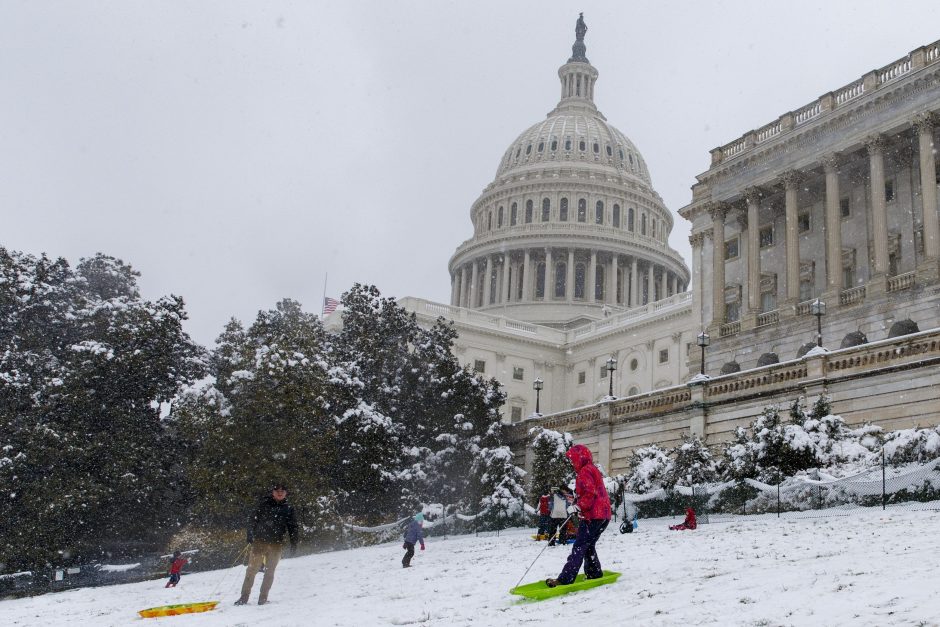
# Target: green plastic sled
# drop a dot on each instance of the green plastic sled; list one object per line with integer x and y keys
{"x": 539, "y": 590}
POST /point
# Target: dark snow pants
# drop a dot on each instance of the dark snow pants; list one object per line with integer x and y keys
{"x": 583, "y": 551}
{"x": 409, "y": 553}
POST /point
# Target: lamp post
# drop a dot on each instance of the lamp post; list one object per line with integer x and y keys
{"x": 818, "y": 309}
{"x": 537, "y": 385}
{"x": 703, "y": 341}
{"x": 611, "y": 366}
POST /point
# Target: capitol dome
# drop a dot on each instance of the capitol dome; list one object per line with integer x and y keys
{"x": 571, "y": 229}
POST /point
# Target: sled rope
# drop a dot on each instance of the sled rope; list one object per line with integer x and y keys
{"x": 554, "y": 538}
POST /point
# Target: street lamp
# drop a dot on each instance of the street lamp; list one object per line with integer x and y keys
{"x": 703, "y": 341}
{"x": 818, "y": 309}
{"x": 611, "y": 366}
{"x": 537, "y": 385}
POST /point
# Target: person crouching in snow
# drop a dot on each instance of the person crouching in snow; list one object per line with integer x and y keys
{"x": 688, "y": 523}
{"x": 413, "y": 534}
{"x": 593, "y": 506}
{"x": 176, "y": 567}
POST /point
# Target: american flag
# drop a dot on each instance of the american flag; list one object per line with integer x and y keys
{"x": 329, "y": 306}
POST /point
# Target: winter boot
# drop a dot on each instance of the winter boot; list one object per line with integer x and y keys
{"x": 551, "y": 583}
{"x": 241, "y": 602}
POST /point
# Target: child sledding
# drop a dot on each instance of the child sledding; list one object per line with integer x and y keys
{"x": 688, "y": 523}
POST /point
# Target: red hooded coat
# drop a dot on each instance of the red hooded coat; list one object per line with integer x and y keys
{"x": 589, "y": 485}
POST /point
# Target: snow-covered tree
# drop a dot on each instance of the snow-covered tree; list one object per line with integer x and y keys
{"x": 550, "y": 467}
{"x": 649, "y": 466}
{"x": 692, "y": 463}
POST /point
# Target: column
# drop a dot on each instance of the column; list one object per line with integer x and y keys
{"x": 675, "y": 283}
{"x": 634, "y": 278}
{"x": 791, "y": 187}
{"x": 879, "y": 215}
{"x": 718, "y": 212}
{"x": 453, "y": 289}
{"x": 928, "y": 185}
{"x": 833, "y": 231}
{"x": 753, "y": 251}
{"x": 625, "y": 286}
{"x": 569, "y": 279}
{"x": 611, "y": 295}
{"x": 549, "y": 275}
{"x": 650, "y": 284}
{"x": 697, "y": 240}
{"x": 472, "y": 293}
{"x": 592, "y": 278}
{"x": 505, "y": 288}
{"x": 663, "y": 283}
{"x": 526, "y": 277}
{"x": 487, "y": 281}
{"x": 464, "y": 286}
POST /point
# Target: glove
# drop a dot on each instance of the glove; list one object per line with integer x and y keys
{"x": 574, "y": 509}
{"x": 422, "y": 547}
{"x": 404, "y": 545}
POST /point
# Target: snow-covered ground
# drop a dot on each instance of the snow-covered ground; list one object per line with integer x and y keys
{"x": 870, "y": 568}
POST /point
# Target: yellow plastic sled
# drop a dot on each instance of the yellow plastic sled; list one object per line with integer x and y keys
{"x": 176, "y": 610}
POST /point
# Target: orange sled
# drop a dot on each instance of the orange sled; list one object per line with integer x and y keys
{"x": 176, "y": 610}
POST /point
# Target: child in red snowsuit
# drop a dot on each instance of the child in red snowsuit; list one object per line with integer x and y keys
{"x": 688, "y": 523}
{"x": 176, "y": 567}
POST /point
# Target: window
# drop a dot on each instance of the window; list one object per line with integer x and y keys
{"x": 568, "y": 143}
{"x": 579, "y": 280}
{"x": 768, "y": 302}
{"x": 561, "y": 277}
{"x": 603, "y": 372}
{"x": 528, "y": 149}
{"x": 528, "y": 211}
{"x": 546, "y": 209}
{"x": 597, "y": 148}
{"x": 845, "y": 209}
{"x": 766, "y": 236}
{"x": 634, "y": 364}
{"x": 554, "y": 145}
{"x": 630, "y": 219}
{"x": 518, "y": 374}
{"x": 513, "y": 214}
{"x": 633, "y": 391}
{"x": 516, "y": 413}
{"x": 582, "y": 146}
{"x": 540, "y": 281}
{"x": 541, "y": 146}
{"x": 499, "y": 218}
{"x": 581, "y": 377}
{"x": 599, "y": 212}
{"x": 664, "y": 356}
{"x": 582, "y": 210}
{"x": 610, "y": 152}
{"x": 479, "y": 366}
{"x": 889, "y": 191}
{"x": 803, "y": 222}
{"x": 806, "y": 289}
{"x": 563, "y": 210}
{"x": 848, "y": 276}
{"x": 732, "y": 311}
{"x": 731, "y": 249}
{"x": 616, "y": 216}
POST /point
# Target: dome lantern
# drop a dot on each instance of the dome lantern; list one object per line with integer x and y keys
{"x": 578, "y": 75}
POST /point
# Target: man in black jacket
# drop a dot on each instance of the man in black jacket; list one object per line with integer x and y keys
{"x": 266, "y": 529}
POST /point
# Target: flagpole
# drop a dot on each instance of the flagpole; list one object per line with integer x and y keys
{"x": 323, "y": 302}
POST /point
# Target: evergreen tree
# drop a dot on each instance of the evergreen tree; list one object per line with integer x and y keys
{"x": 692, "y": 464}
{"x": 649, "y": 466}
{"x": 550, "y": 467}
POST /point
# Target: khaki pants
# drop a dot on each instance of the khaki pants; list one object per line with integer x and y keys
{"x": 268, "y": 553}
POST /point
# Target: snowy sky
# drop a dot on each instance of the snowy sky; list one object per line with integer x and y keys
{"x": 234, "y": 152}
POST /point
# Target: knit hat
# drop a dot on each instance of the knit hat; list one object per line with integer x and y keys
{"x": 419, "y": 517}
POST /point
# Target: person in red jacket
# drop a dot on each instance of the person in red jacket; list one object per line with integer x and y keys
{"x": 545, "y": 515}
{"x": 176, "y": 567}
{"x": 688, "y": 523}
{"x": 593, "y": 506}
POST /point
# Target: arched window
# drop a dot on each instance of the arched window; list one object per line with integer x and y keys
{"x": 599, "y": 283}
{"x": 610, "y": 151}
{"x": 546, "y": 209}
{"x": 582, "y": 146}
{"x": 540, "y": 281}
{"x": 541, "y": 146}
{"x": 599, "y": 212}
{"x": 499, "y": 218}
{"x": 630, "y": 219}
{"x": 513, "y": 214}
{"x": 563, "y": 210}
{"x": 567, "y": 143}
{"x": 554, "y": 146}
{"x": 582, "y": 210}
{"x": 643, "y": 225}
{"x": 561, "y": 278}
{"x": 579, "y": 280}
{"x": 528, "y": 149}
{"x": 528, "y": 211}
{"x": 616, "y": 217}
{"x": 597, "y": 148}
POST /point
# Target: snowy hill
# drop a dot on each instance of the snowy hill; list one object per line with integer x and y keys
{"x": 867, "y": 568}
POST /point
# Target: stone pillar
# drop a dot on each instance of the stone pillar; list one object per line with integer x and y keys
{"x": 611, "y": 296}
{"x": 928, "y": 186}
{"x": 454, "y": 282}
{"x": 753, "y": 253}
{"x": 592, "y": 278}
{"x": 602, "y": 426}
{"x": 718, "y": 213}
{"x": 487, "y": 282}
{"x": 650, "y": 283}
{"x": 625, "y": 285}
{"x": 526, "y": 277}
{"x": 879, "y": 214}
{"x": 464, "y": 286}
{"x": 675, "y": 283}
{"x": 791, "y": 181}
{"x": 549, "y": 276}
{"x": 505, "y": 289}
{"x": 474, "y": 282}
{"x": 634, "y": 288}
{"x": 833, "y": 231}
{"x": 663, "y": 283}
{"x": 569, "y": 280}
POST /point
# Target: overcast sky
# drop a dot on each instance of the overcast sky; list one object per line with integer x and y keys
{"x": 236, "y": 152}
